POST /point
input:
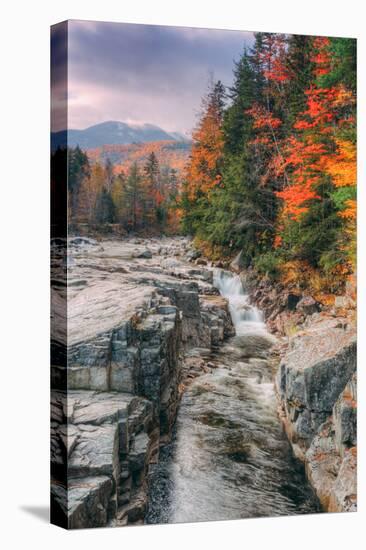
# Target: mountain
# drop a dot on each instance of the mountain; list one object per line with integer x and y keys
{"x": 113, "y": 133}
{"x": 179, "y": 137}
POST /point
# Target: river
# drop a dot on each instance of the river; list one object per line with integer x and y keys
{"x": 229, "y": 457}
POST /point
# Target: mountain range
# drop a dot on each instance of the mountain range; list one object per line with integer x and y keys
{"x": 113, "y": 133}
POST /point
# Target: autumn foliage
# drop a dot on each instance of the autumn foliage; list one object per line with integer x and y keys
{"x": 136, "y": 192}
{"x": 277, "y": 175}
{"x": 203, "y": 170}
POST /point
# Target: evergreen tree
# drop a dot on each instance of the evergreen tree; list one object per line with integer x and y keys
{"x": 118, "y": 196}
{"x": 104, "y": 208}
{"x": 134, "y": 198}
{"x": 108, "y": 167}
{"x": 153, "y": 191}
{"x": 78, "y": 170}
{"x": 242, "y": 211}
{"x": 299, "y": 66}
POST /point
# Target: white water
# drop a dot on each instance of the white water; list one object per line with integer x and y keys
{"x": 245, "y": 317}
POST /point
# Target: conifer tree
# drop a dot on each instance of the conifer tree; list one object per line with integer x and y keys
{"x": 133, "y": 198}
{"x": 104, "y": 208}
{"x": 153, "y": 191}
{"x": 78, "y": 170}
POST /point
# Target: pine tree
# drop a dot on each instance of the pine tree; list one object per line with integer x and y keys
{"x": 78, "y": 170}
{"x": 299, "y": 67}
{"x": 153, "y": 191}
{"x": 104, "y": 208}
{"x": 118, "y": 197}
{"x": 108, "y": 167}
{"x": 134, "y": 198}
{"x": 243, "y": 208}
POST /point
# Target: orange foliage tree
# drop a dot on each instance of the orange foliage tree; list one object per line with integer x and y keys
{"x": 204, "y": 168}
{"x": 314, "y": 149}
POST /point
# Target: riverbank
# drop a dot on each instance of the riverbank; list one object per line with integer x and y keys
{"x": 146, "y": 328}
{"x": 316, "y": 383}
{"x": 316, "y": 380}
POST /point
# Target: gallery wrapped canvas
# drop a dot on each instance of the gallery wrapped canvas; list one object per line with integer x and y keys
{"x": 203, "y": 274}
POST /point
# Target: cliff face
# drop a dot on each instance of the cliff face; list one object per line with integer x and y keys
{"x": 316, "y": 384}
{"x": 132, "y": 313}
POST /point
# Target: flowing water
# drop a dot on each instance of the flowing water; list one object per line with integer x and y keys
{"x": 229, "y": 457}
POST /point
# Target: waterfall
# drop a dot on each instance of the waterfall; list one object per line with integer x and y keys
{"x": 246, "y": 318}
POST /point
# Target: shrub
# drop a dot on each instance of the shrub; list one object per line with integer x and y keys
{"x": 269, "y": 264}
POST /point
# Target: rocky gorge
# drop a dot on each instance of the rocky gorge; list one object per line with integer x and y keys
{"x": 132, "y": 311}
{"x": 153, "y": 385}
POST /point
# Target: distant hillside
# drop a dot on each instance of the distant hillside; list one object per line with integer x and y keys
{"x": 169, "y": 153}
{"x": 112, "y": 133}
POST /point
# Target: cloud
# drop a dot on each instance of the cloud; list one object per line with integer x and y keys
{"x": 145, "y": 73}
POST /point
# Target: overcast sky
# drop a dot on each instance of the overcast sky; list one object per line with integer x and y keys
{"x": 145, "y": 73}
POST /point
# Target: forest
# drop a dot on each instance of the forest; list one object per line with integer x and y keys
{"x": 271, "y": 173}
{"x": 139, "y": 196}
{"x": 273, "y": 166}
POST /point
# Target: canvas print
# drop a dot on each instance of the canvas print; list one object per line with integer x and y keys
{"x": 203, "y": 274}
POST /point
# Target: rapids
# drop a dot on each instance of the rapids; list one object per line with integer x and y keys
{"x": 229, "y": 457}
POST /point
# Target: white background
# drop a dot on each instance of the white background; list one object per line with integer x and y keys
{"x": 24, "y": 313}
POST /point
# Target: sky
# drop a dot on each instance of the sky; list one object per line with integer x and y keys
{"x": 140, "y": 73}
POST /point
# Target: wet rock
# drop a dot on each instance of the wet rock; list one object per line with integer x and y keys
{"x": 254, "y": 345}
